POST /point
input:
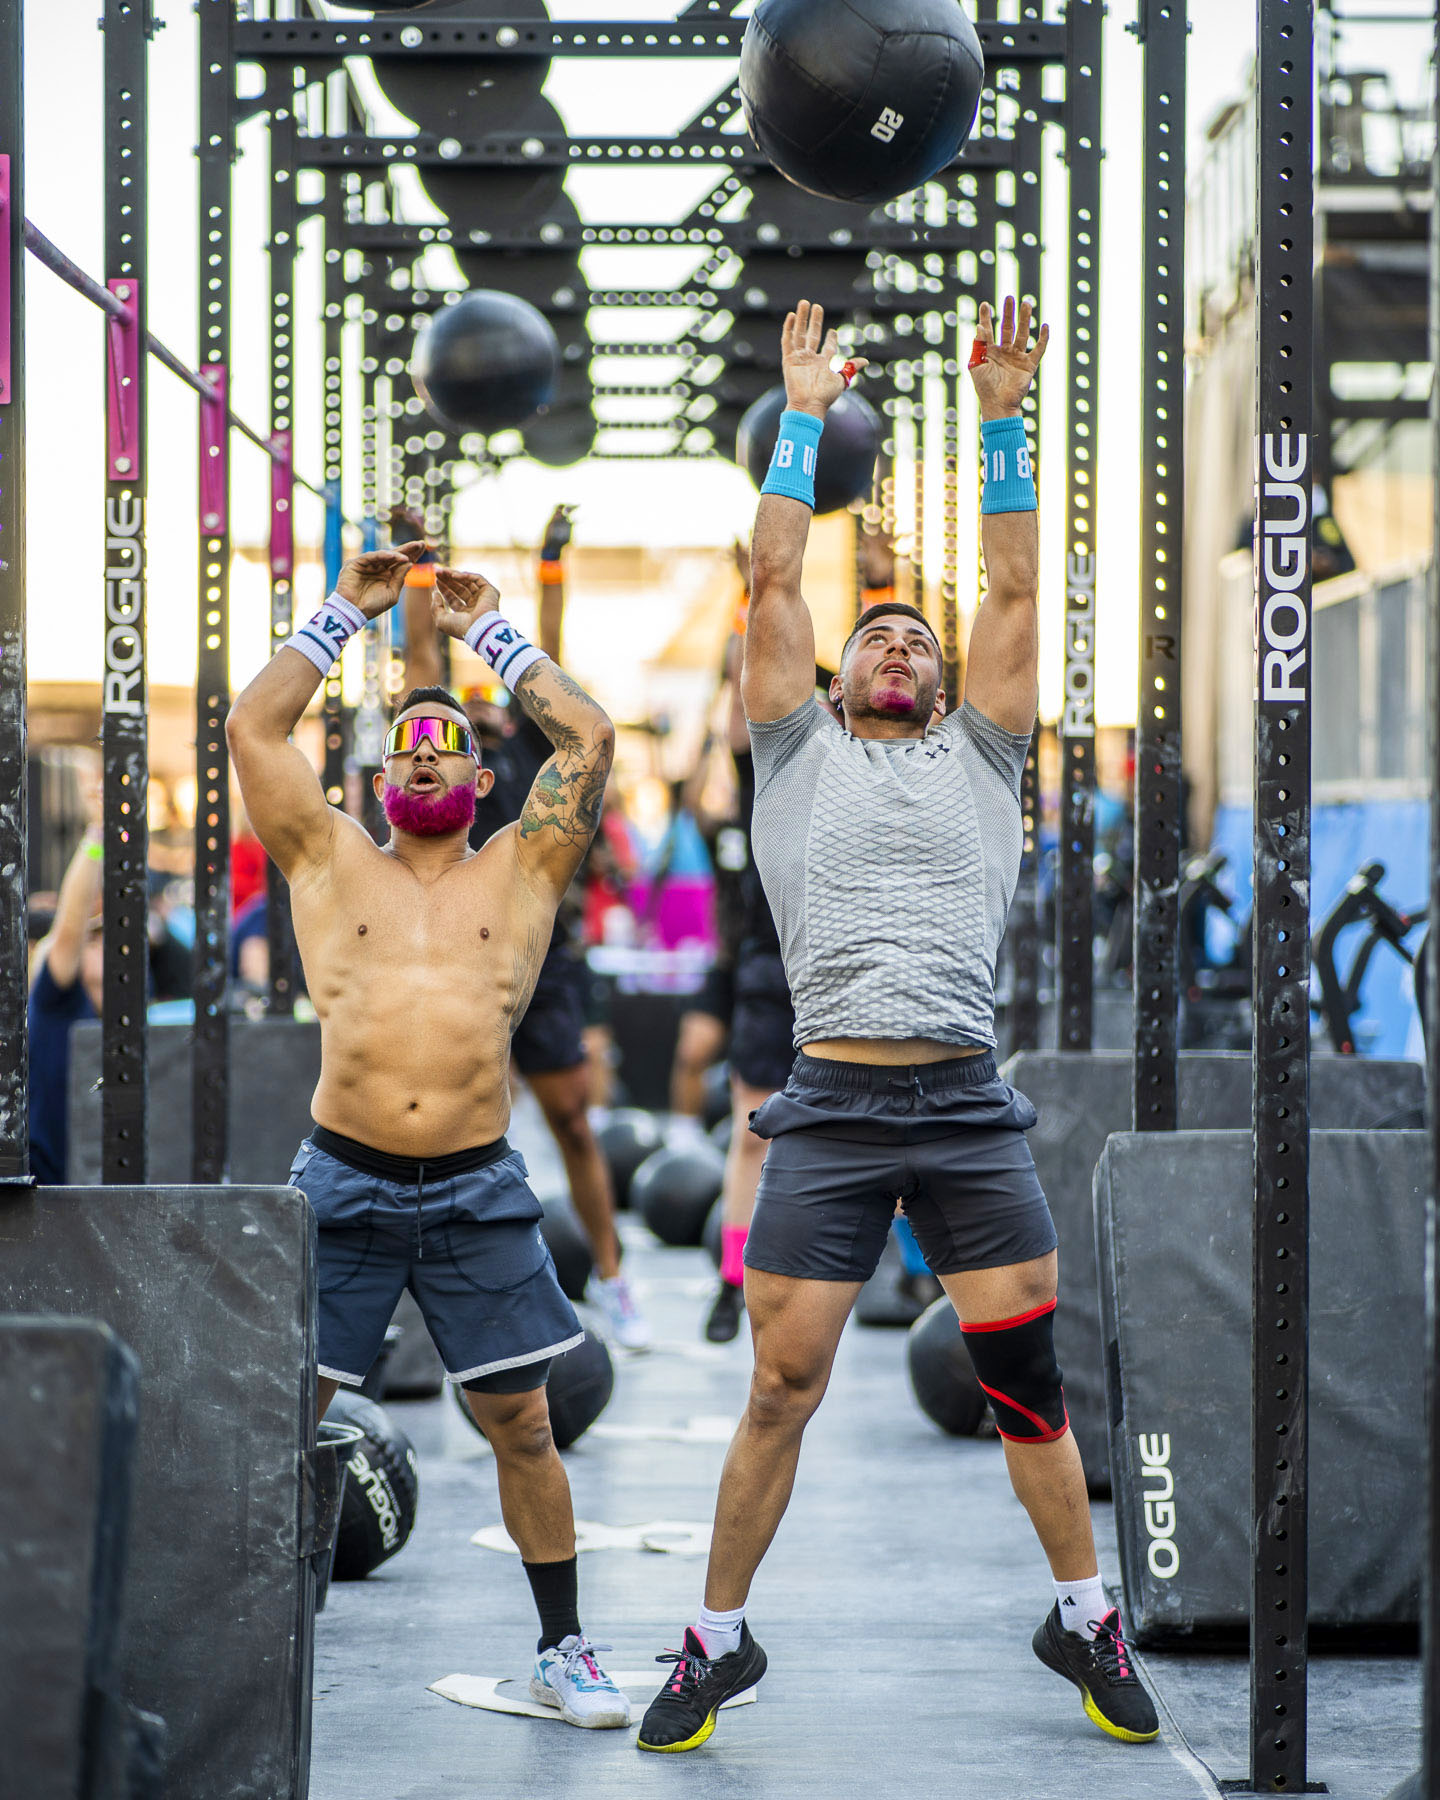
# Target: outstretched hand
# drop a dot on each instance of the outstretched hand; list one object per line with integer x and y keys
{"x": 1002, "y": 378}
{"x": 806, "y": 353}
{"x": 373, "y": 581}
{"x": 458, "y": 600}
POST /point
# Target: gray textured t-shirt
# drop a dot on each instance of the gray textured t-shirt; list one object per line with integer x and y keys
{"x": 890, "y": 867}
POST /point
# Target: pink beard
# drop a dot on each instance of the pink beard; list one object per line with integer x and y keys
{"x": 425, "y": 815}
{"x": 897, "y": 702}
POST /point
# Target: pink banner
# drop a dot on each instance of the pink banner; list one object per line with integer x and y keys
{"x": 282, "y": 508}
{"x": 122, "y": 411}
{"x": 214, "y": 453}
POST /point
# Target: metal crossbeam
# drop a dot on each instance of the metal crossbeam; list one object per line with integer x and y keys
{"x": 306, "y": 40}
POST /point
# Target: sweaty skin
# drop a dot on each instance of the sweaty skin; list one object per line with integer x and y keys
{"x": 420, "y": 956}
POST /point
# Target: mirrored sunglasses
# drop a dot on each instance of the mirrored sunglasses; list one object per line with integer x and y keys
{"x": 447, "y": 735}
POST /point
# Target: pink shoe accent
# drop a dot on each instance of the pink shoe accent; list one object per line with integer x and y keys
{"x": 732, "y": 1254}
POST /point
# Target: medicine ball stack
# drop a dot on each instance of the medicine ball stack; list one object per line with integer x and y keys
{"x": 382, "y": 1489}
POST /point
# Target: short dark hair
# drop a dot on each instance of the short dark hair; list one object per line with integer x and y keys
{"x": 883, "y": 610}
{"x": 429, "y": 696}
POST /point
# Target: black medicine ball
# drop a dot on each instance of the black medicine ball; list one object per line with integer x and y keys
{"x": 845, "y": 467}
{"x": 860, "y": 100}
{"x": 382, "y": 1489}
{"x": 487, "y": 363}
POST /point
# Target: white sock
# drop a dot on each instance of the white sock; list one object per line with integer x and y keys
{"x": 1082, "y": 1605}
{"x": 719, "y": 1632}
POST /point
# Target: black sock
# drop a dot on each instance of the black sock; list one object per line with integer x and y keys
{"x": 556, "y": 1590}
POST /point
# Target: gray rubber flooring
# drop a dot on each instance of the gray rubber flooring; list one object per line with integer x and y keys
{"x": 896, "y": 1608}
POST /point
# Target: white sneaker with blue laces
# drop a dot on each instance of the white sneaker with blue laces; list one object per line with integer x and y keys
{"x": 568, "y": 1677}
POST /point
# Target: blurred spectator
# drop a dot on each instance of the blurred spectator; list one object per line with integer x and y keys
{"x": 67, "y": 984}
{"x": 247, "y": 867}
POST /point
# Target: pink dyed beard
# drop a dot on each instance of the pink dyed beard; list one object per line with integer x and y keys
{"x": 426, "y": 815}
{"x": 896, "y": 702}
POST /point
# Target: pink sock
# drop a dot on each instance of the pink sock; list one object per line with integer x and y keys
{"x": 732, "y": 1254}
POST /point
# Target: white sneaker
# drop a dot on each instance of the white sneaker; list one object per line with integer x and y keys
{"x": 626, "y": 1323}
{"x": 568, "y": 1678}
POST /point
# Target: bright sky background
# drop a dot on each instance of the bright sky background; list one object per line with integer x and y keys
{"x": 658, "y": 504}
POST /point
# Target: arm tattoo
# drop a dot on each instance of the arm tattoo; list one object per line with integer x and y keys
{"x": 569, "y": 791}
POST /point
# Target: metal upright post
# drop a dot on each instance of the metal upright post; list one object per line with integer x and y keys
{"x": 1284, "y": 219}
{"x": 1075, "y": 950}
{"x": 335, "y": 720}
{"x": 128, "y": 27}
{"x": 14, "y": 787}
{"x": 1162, "y": 30}
{"x": 1430, "y": 1599}
{"x": 210, "y": 1048}
{"x": 284, "y": 215}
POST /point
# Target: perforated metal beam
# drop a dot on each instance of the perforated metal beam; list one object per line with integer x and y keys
{"x": 1158, "y": 821}
{"x": 1075, "y": 951}
{"x": 124, "y": 738}
{"x": 1281, "y": 1055}
{"x": 303, "y": 40}
{"x": 210, "y": 1053}
{"x": 14, "y": 788}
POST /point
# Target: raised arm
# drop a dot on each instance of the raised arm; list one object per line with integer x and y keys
{"x": 281, "y": 790}
{"x": 1001, "y": 677}
{"x": 552, "y": 580}
{"x": 74, "y": 908}
{"x": 779, "y": 672}
{"x": 562, "y": 810}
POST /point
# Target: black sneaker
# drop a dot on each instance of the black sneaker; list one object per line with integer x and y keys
{"x": 1100, "y": 1667}
{"x": 724, "y": 1319}
{"x": 682, "y": 1714}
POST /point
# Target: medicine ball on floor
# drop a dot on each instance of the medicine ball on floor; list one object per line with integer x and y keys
{"x": 382, "y": 1489}
{"x": 716, "y": 1085}
{"x": 487, "y": 363}
{"x": 577, "y": 1392}
{"x": 893, "y": 1296}
{"x": 569, "y": 1247}
{"x": 860, "y": 99}
{"x": 845, "y": 466}
{"x": 579, "y": 1389}
{"x": 941, "y": 1372}
{"x": 674, "y": 1190}
{"x": 626, "y": 1138}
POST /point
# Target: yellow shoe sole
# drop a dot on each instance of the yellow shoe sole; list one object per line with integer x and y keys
{"x": 690, "y": 1743}
{"x": 1096, "y": 1717}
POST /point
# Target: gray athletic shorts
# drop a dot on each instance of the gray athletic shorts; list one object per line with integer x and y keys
{"x": 847, "y": 1140}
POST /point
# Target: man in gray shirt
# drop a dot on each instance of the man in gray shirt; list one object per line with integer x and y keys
{"x": 889, "y": 848}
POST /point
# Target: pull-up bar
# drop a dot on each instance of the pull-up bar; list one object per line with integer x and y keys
{"x": 58, "y": 263}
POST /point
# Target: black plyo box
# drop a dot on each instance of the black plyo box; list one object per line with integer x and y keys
{"x": 67, "y": 1398}
{"x": 1082, "y": 1096}
{"x": 213, "y": 1288}
{"x": 1173, "y": 1233}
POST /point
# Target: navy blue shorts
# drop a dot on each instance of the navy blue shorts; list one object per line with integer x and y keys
{"x": 848, "y": 1140}
{"x": 468, "y": 1246}
{"x": 550, "y": 1037}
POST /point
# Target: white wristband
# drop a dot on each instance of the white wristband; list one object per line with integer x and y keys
{"x": 321, "y": 639}
{"x": 507, "y": 650}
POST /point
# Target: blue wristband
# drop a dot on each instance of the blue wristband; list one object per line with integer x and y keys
{"x": 1009, "y": 474}
{"x": 792, "y": 467}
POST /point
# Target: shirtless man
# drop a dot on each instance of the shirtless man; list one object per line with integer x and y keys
{"x": 420, "y": 958}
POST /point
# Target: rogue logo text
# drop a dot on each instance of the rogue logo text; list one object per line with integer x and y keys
{"x": 1162, "y": 1556}
{"x": 1282, "y": 617}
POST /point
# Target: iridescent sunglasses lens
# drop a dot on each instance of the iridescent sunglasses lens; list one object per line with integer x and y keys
{"x": 445, "y": 734}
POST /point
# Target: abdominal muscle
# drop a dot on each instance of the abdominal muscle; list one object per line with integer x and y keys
{"x": 889, "y": 1052}
{"x": 416, "y": 987}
